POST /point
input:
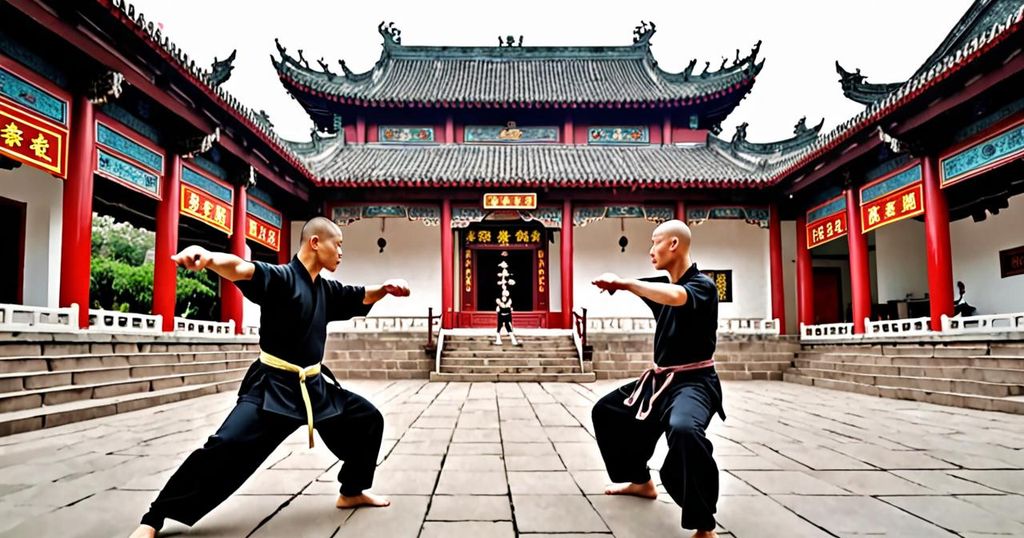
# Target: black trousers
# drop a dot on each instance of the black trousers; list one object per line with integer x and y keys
{"x": 212, "y": 473}
{"x": 689, "y": 472}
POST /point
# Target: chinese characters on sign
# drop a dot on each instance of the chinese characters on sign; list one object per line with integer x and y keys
{"x": 502, "y": 237}
{"x": 262, "y": 233}
{"x": 723, "y": 281}
{"x": 824, "y": 230}
{"x": 206, "y": 208}
{"x": 33, "y": 141}
{"x": 901, "y": 204}
{"x": 510, "y": 200}
{"x": 542, "y": 271}
{"x": 1011, "y": 262}
{"x": 468, "y": 265}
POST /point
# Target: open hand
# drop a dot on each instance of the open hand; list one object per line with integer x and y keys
{"x": 397, "y": 287}
{"x": 195, "y": 258}
{"x": 610, "y": 282}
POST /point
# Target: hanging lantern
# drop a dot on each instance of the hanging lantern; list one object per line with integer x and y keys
{"x": 381, "y": 242}
{"x": 623, "y": 240}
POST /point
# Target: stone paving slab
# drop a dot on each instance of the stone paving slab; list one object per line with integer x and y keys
{"x": 519, "y": 460}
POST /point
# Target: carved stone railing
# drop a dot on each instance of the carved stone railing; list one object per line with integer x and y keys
{"x": 897, "y": 327}
{"x": 15, "y": 317}
{"x": 203, "y": 327}
{"x": 826, "y": 332}
{"x": 388, "y": 323}
{"x": 620, "y": 324}
{"x": 124, "y": 322}
{"x": 726, "y": 326}
{"x": 749, "y": 326}
{"x": 988, "y": 323}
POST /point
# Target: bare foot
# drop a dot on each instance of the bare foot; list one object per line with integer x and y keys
{"x": 144, "y": 531}
{"x": 645, "y": 490}
{"x": 365, "y": 499}
{"x": 705, "y": 534}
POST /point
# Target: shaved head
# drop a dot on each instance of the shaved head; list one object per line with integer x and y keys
{"x": 675, "y": 229}
{"x": 321, "y": 227}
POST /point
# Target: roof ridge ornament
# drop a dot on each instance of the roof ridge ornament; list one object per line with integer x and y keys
{"x": 220, "y": 70}
{"x": 392, "y": 34}
{"x": 510, "y": 41}
{"x": 643, "y": 32}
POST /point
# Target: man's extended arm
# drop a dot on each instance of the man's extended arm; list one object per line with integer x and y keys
{"x": 229, "y": 266}
{"x": 395, "y": 286}
{"x": 659, "y": 292}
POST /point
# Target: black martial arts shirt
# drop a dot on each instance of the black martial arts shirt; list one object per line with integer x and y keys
{"x": 294, "y": 312}
{"x": 689, "y": 333}
{"x": 686, "y": 333}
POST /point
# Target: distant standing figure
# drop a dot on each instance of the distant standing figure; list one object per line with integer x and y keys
{"x": 960, "y": 306}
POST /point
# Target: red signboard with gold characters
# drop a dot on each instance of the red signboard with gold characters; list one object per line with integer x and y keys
{"x": 826, "y": 222}
{"x": 204, "y": 207}
{"x": 904, "y": 203}
{"x": 263, "y": 233}
{"x": 510, "y": 200}
{"x": 27, "y": 138}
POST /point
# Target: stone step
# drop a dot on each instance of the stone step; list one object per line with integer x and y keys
{"x": 571, "y": 369}
{"x": 508, "y": 351}
{"x": 24, "y": 345}
{"x": 970, "y": 401}
{"x": 923, "y": 383}
{"x": 988, "y": 361}
{"x": 506, "y": 361}
{"x": 56, "y": 363}
{"x": 752, "y": 366}
{"x": 66, "y": 413}
{"x": 28, "y": 399}
{"x": 532, "y": 378}
{"x": 731, "y": 375}
{"x": 507, "y": 345}
{"x": 19, "y": 381}
{"x": 991, "y": 375}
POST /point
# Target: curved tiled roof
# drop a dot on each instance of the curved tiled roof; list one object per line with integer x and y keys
{"x": 518, "y": 75}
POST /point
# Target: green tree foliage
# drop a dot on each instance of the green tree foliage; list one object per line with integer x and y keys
{"x": 122, "y": 279}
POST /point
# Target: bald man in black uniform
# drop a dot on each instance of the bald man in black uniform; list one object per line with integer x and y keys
{"x": 677, "y": 397}
{"x": 287, "y": 388}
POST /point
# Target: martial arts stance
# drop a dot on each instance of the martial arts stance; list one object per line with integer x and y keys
{"x": 504, "y": 310}
{"x": 677, "y": 397}
{"x": 284, "y": 389}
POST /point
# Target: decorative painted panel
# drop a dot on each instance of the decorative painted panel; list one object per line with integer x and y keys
{"x": 549, "y": 216}
{"x": 428, "y": 215}
{"x": 898, "y": 181}
{"x": 345, "y": 215}
{"x": 464, "y": 216}
{"x": 33, "y": 97}
{"x": 583, "y": 216}
{"x": 210, "y": 166}
{"x": 131, "y": 121}
{"x": 263, "y": 212}
{"x": 194, "y": 177}
{"x": 393, "y": 134}
{"x": 509, "y": 134}
{"x": 826, "y": 222}
{"x": 377, "y": 211}
{"x": 982, "y": 156}
{"x": 752, "y": 215}
{"x": 659, "y": 214}
{"x": 127, "y": 173}
{"x": 205, "y": 208}
{"x": 32, "y": 140}
{"x": 26, "y": 55}
{"x": 618, "y": 135}
{"x": 107, "y": 136}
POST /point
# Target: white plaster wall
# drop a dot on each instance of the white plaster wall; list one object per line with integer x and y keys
{"x": 413, "y": 253}
{"x": 900, "y": 260}
{"x": 976, "y": 247}
{"x": 743, "y": 248}
{"x": 44, "y": 196}
{"x": 596, "y": 251}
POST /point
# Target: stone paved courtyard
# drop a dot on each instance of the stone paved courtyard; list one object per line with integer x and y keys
{"x": 504, "y": 460}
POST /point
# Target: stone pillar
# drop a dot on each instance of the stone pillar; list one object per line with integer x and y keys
{"x": 165, "y": 271}
{"x": 937, "y": 244}
{"x": 860, "y": 279}
{"x": 76, "y": 237}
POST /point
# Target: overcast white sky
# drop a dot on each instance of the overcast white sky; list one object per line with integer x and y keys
{"x": 887, "y": 39}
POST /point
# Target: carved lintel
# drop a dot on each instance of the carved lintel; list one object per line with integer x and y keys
{"x": 199, "y": 144}
{"x": 105, "y": 88}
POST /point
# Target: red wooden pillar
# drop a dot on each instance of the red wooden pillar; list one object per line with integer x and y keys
{"x": 775, "y": 257}
{"x": 666, "y": 131}
{"x": 360, "y": 130}
{"x": 804, "y": 275}
{"x": 680, "y": 210}
{"x": 860, "y": 280}
{"x": 230, "y": 296}
{"x": 937, "y": 244}
{"x": 76, "y": 242}
{"x": 447, "y": 266}
{"x": 569, "y": 130}
{"x": 165, "y": 272}
{"x": 284, "y": 252}
{"x": 566, "y": 264}
{"x": 449, "y": 129}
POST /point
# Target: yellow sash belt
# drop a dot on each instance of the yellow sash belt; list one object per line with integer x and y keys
{"x": 304, "y": 373}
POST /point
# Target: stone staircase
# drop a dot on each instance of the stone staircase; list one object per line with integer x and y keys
{"x": 987, "y": 376}
{"x": 737, "y": 358}
{"x": 50, "y": 379}
{"x": 542, "y": 357}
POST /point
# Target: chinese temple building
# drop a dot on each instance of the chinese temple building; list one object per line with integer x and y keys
{"x": 442, "y": 162}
